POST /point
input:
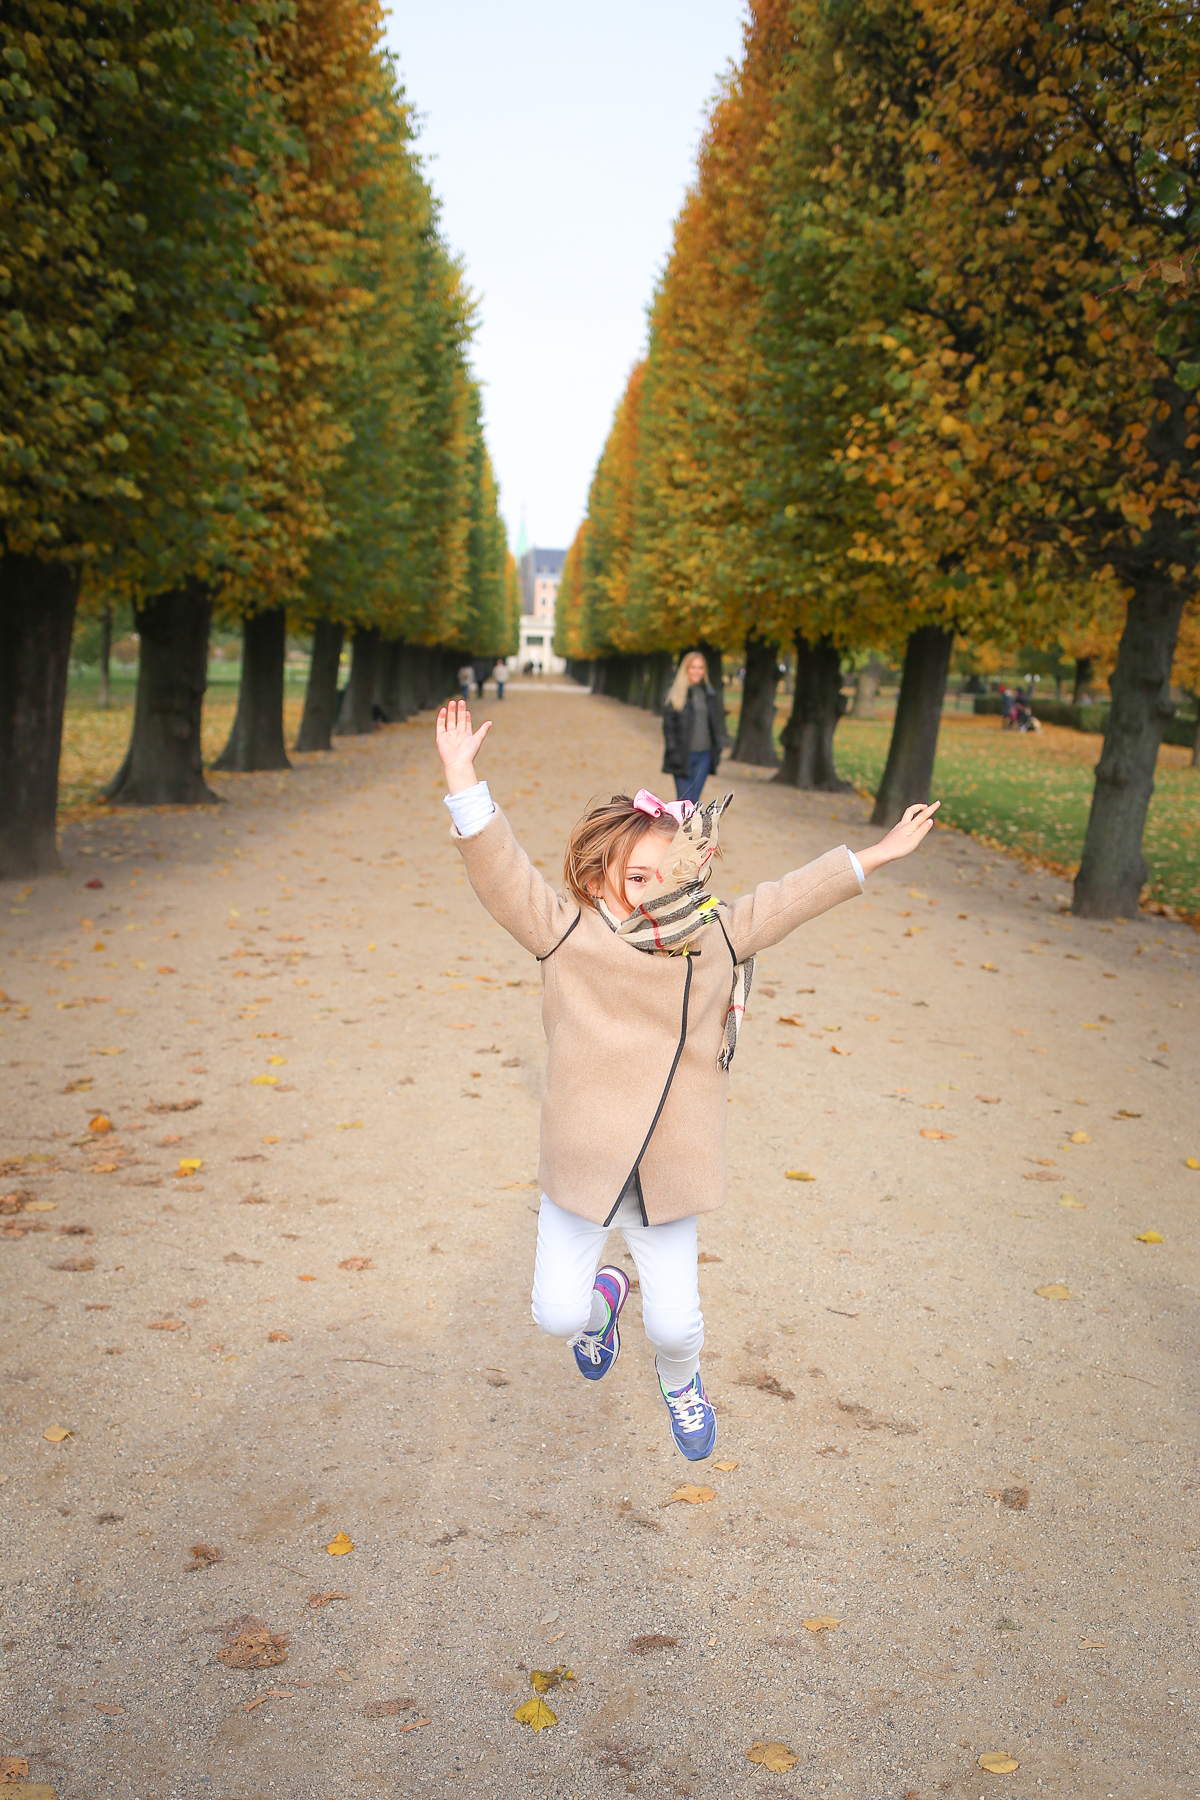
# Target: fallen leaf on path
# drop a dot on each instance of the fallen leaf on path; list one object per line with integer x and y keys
{"x": 277, "y": 1059}
{"x": 102, "y": 1169}
{"x": 1093, "y": 1643}
{"x": 99, "y": 1125}
{"x": 768, "y": 1384}
{"x": 1040, "y": 1175}
{"x": 299, "y": 1277}
{"x": 998, "y": 1762}
{"x": 727, "y": 1467}
{"x": 1150, "y": 1237}
{"x": 836, "y": 1050}
{"x": 235, "y": 1256}
{"x": 165, "y": 1325}
{"x": 188, "y": 1165}
{"x": 1192, "y": 1162}
{"x": 165, "y": 969}
{"x": 203, "y": 1557}
{"x": 824, "y": 1623}
{"x": 989, "y": 1099}
{"x": 318, "y": 1600}
{"x": 248, "y": 1644}
{"x": 75, "y": 1265}
{"x": 1079, "y": 1137}
{"x": 790, "y": 1019}
{"x": 543, "y": 1680}
{"x": 931, "y": 1131}
{"x": 356, "y": 1263}
{"x": 264, "y": 1081}
{"x": 117, "y": 1052}
{"x": 535, "y": 1713}
{"x": 799, "y": 1175}
{"x": 377, "y": 1709}
{"x": 1121, "y": 1113}
{"x": 340, "y": 1546}
{"x": 1070, "y": 1200}
{"x": 350, "y": 1125}
{"x": 1015, "y": 1498}
{"x": 41, "y": 1205}
{"x": 691, "y": 1494}
{"x": 990, "y": 967}
{"x": 271, "y": 1694}
{"x": 13, "y": 1768}
{"x": 1054, "y": 1290}
{"x": 707, "y": 1256}
{"x": 416, "y": 1724}
{"x": 169, "y": 1106}
{"x": 278, "y": 1337}
{"x": 1060, "y": 1699}
{"x": 775, "y": 1757}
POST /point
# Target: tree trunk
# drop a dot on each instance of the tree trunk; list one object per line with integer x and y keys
{"x": 355, "y": 717}
{"x": 256, "y": 741}
{"x": 389, "y": 683}
{"x": 163, "y": 765}
{"x": 866, "y": 688}
{"x": 756, "y": 726}
{"x": 909, "y": 771}
{"x": 1112, "y": 869}
{"x": 1083, "y": 676}
{"x": 37, "y": 613}
{"x": 320, "y": 696}
{"x": 808, "y": 735}
{"x": 106, "y": 625}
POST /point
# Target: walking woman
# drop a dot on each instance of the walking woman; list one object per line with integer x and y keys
{"x": 693, "y": 728}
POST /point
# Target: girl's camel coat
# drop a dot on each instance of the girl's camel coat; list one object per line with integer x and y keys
{"x": 634, "y": 1099}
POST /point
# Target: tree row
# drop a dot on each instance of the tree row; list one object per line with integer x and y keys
{"x": 922, "y": 367}
{"x": 234, "y": 384}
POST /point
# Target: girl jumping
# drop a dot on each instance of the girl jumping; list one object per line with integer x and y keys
{"x": 645, "y": 979}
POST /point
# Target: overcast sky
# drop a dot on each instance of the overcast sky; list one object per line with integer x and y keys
{"x": 560, "y": 138}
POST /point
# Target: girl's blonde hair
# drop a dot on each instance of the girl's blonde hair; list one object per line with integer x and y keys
{"x": 602, "y": 843}
{"x": 677, "y": 697}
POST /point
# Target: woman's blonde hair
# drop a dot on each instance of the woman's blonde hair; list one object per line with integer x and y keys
{"x": 677, "y": 697}
{"x": 602, "y": 843}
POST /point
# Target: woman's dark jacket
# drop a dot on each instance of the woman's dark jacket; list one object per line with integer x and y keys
{"x": 677, "y": 732}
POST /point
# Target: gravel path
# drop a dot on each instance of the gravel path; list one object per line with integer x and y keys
{"x": 323, "y": 1327}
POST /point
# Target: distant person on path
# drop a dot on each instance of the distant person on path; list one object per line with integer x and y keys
{"x": 693, "y": 728}
{"x": 500, "y": 676}
{"x": 646, "y": 976}
{"x": 466, "y": 676}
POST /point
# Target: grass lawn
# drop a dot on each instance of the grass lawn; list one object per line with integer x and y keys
{"x": 1031, "y": 792}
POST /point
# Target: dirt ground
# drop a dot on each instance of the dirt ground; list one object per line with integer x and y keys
{"x": 323, "y": 1328}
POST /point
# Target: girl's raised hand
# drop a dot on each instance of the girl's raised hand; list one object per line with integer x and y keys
{"x": 914, "y": 824}
{"x": 458, "y": 745}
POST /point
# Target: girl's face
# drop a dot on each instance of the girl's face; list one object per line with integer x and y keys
{"x": 639, "y": 871}
{"x": 696, "y": 670}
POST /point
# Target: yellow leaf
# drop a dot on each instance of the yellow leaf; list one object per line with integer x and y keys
{"x": 535, "y": 1712}
{"x": 57, "y": 1434}
{"x": 726, "y": 1466}
{"x": 265, "y": 1081}
{"x": 99, "y": 1125}
{"x": 351, "y": 1125}
{"x": 544, "y": 1679}
{"x": 189, "y": 1164}
{"x": 930, "y": 1131}
{"x": 277, "y": 1059}
{"x": 693, "y": 1495}
{"x": 110, "y": 1052}
{"x": 1193, "y": 1162}
{"x": 776, "y": 1757}
{"x": 1070, "y": 1200}
{"x": 990, "y": 967}
{"x": 103, "y": 1168}
{"x": 1079, "y": 1137}
{"x": 1054, "y": 1291}
{"x": 39, "y": 1206}
{"x": 998, "y": 1762}
{"x": 1150, "y": 1237}
{"x": 824, "y": 1623}
{"x": 340, "y": 1546}
{"x": 799, "y": 1175}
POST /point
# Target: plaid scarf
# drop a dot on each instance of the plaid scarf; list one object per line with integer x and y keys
{"x": 676, "y": 909}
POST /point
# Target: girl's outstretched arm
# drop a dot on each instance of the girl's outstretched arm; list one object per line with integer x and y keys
{"x": 913, "y": 825}
{"x": 458, "y": 745}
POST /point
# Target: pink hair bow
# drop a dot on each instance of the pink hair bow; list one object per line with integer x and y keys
{"x": 645, "y": 801}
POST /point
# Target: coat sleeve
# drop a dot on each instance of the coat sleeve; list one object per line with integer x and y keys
{"x": 777, "y": 907}
{"x": 514, "y": 892}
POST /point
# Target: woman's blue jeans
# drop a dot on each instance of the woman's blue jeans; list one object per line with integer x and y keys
{"x": 692, "y": 787}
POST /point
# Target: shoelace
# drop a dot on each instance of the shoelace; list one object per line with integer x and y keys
{"x": 586, "y": 1341}
{"x": 687, "y": 1408}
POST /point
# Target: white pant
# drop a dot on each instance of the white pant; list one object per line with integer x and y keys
{"x": 568, "y": 1255}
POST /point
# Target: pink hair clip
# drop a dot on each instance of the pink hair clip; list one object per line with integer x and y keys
{"x": 646, "y": 802}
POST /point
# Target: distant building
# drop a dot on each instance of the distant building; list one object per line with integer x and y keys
{"x": 540, "y": 573}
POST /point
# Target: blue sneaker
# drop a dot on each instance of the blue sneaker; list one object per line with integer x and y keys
{"x": 693, "y": 1421}
{"x": 597, "y": 1351}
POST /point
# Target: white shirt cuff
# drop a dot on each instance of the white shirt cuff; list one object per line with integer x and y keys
{"x": 471, "y": 809}
{"x": 854, "y": 862}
